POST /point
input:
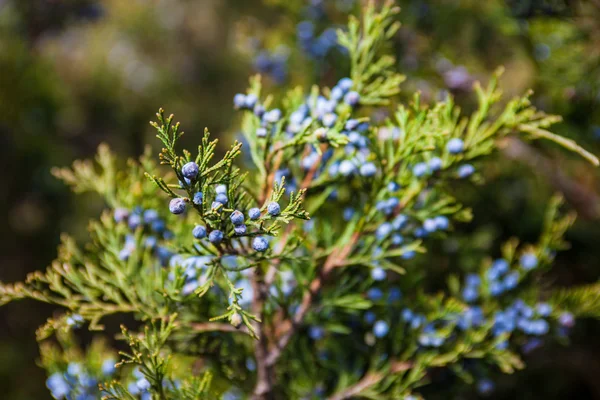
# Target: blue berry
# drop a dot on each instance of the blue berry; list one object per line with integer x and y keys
{"x": 399, "y": 222}
{"x": 254, "y": 213}
{"x": 383, "y": 230}
{"x": 337, "y": 93}
{"x": 272, "y": 116}
{"x": 397, "y": 239}
{"x": 316, "y": 332}
{"x": 496, "y": 288}
{"x": 121, "y": 214}
{"x": 346, "y": 168}
{"x": 420, "y": 232}
{"x": 239, "y": 100}
{"x": 351, "y": 124}
{"x": 419, "y": 169}
{"x": 329, "y": 120}
{"x": 260, "y": 244}
{"x": 470, "y": 294}
{"x": 430, "y": 225}
{"x": 237, "y": 217}
{"x": 58, "y": 386}
{"x": 378, "y": 274}
{"x": 501, "y": 265}
{"x": 352, "y": 98}
{"x": 108, "y": 367}
{"x": 485, "y": 386}
{"x": 221, "y": 198}
{"x": 348, "y": 213}
{"x": 375, "y": 294}
{"x": 544, "y": 309}
{"x": 528, "y": 261}
{"x": 393, "y": 187}
{"x": 273, "y": 208}
{"x": 199, "y": 232}
{"x": 215, "y": 236}
{"x": 197, "y": 200}
{"x": 250, "y": 101}
{"x": 408, "y": 255}
{"x": 455, "y": 146}
{"x": 442, "y": 222}
{"x": 134, "y": 221}
{"x": 143, "y": 384}
{"x": 370, "y": 317}
{"x": 368, "y": 170}
{"x": 216, "y": 205}
{"x": 261, "y": 132}
{"x": 221, "y": 189}
{"x": 381, "y": 329}
{"x": 150, "y": 242}
{"x": 240, "y": 229}
{"x": 435, "y": 164}
{"x": 177, "y": 205}
{"x": 190, "y": 170}
{"x": 345, "y": 84}
{"x": 566, "y": 319}
{"x": 407, "y": 315}
{"x": 511, "y": 280}
{"x": 259, "y": 110}
{"x": 150, "y": 216}
{"x": 472, "y": 280}
{"x": 465, "y": 170}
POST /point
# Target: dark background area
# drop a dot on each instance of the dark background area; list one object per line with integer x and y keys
{"x": 74, "y": 74}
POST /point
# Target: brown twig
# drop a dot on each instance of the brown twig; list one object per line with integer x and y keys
{"x": 217, "y": 327}
{"x": 335, "y": 259}
{"x": 369, "y": 380}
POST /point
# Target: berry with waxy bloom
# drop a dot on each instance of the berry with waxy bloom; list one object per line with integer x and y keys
{"x": 368, "y": 170}
{"x": 435, "y": 164}
{"x": 254, "y": 213}
{"x": 197, "y": 200}
{"x": 199, "y": 232}
{"x": 381, "y": 329}
{"x": 419, "y": 169}
{"x": 260, "y": 244}
{"x": 346, "y": 168}
{"x": 273, "y": 209}
{"x": 239, "y": 100}
{"x": 261, "y": 132}
{"x": 190, "y": 170}
{"x": 465, "y": 170}
{"x": 216, "y": 236}
{"x": 237, "y": 217}
{"x": 177, "y": 205}
{"x": 221, "y": 198}
{"x": 528, "y": 261}
{"x": 352, "y": 98}
{"x": 455, "y": 146}
{"x": 240, "y": 229}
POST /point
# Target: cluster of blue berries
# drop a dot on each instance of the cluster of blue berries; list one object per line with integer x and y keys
{"x": 499, "y": 277}
{"x": 316, "y": 46}
{"x": 268, "y": 117}
{"x": 78, "y": 383}
{"x": 399, "y": 227}
{"x": 238, "y": 221}
{"x": 454, "y": 146}
{"x": 273, "y": 64}
{"x": 150, "y": 221}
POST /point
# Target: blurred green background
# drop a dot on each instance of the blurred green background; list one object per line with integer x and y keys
{"x": 76, "y": 73}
